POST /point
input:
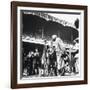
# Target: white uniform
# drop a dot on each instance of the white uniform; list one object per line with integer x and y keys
{"x": 58, "y": 46}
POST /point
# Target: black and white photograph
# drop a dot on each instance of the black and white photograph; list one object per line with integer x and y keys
{"x": 49, "y": 44}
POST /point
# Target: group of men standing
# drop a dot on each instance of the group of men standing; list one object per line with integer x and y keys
{"x": 60, "y": 60}
{"x": 54, "y": 61}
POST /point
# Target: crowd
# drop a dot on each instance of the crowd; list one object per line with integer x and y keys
{"x": 54, "y": 60}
